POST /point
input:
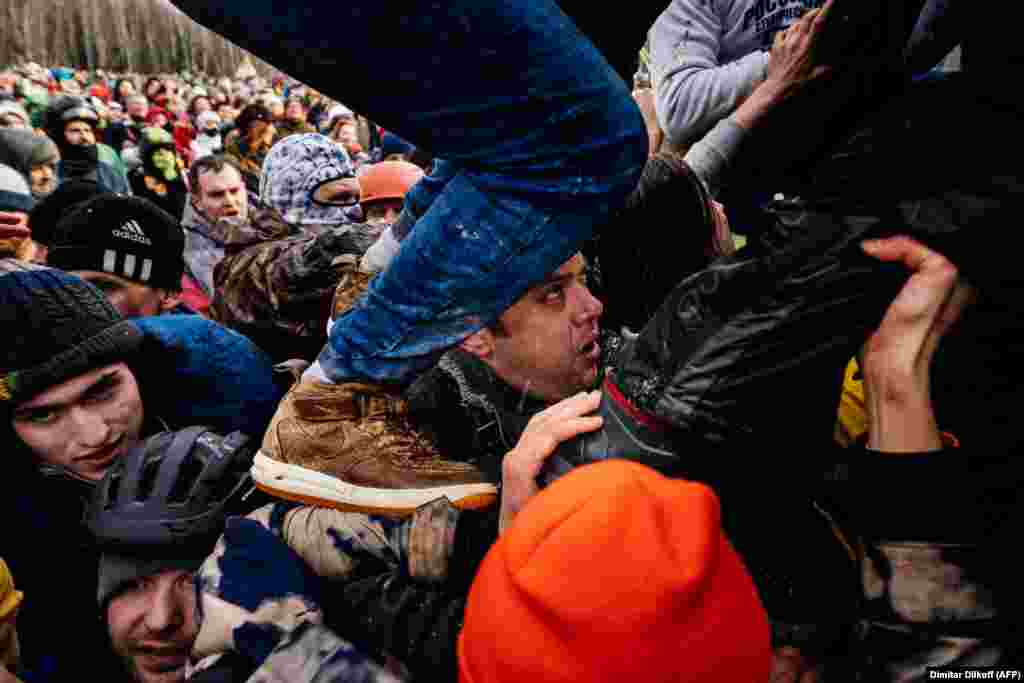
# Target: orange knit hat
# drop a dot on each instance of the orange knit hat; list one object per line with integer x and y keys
{"x": 615, "y": 573}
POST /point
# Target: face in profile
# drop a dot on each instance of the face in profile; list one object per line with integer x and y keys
{"x": 546, "y": 344}
{"x": 131, "y": 299}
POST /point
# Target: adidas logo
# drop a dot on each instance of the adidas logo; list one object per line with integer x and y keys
{"x": 131, "y": 230}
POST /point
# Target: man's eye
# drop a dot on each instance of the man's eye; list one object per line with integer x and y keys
{"x": 344, "y": 198}
{"x": 39, "y": 417}
{"x": 554, "y": 294}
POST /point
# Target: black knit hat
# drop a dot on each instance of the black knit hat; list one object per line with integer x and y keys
{"x": 56, "y": 327}
{"x": 130, "y": 237}
{"x": 250, "y": 114}
{"x": 59, "y": 203}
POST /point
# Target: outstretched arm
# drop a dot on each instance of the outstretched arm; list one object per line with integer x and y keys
{"x": 898, "y": 356}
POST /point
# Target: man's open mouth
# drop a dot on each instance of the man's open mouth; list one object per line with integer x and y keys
{"x": 591, "y": 349}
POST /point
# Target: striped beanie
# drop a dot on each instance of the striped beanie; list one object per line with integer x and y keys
{"x": 56, "y": 327}
{"x": 125, "y": 236}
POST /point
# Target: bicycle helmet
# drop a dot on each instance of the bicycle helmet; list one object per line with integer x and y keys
{"x": 171, "y": 489}
{"x": 164, "y": 504}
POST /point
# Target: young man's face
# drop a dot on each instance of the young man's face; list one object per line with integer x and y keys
{"x": 546, "y": 343}
{"x": 138, "y": 108}
{"x": 131, "y": 299}
{"x": 201, "y": 105}
{"x": 79, "y": 133}
{"x": 152, "y": 626}
{"x": 221, "y": 195}
{"x": 295, "y": 112}
{"x": 384, "y": 212}
{"x": 44, "y": 178}
{"x": 85, "y": 424}
{"x": 346, "y": 134}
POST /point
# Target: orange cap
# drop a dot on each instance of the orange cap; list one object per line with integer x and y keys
{"x": 615, "y": 573}
{"x": 388, "y": 180}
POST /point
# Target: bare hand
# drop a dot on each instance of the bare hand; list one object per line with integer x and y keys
{"x": 791, "y": 61}
{"x": 924, "y": 310}
{"x": 897, "y": 357}
{"x": 544, "y": 432}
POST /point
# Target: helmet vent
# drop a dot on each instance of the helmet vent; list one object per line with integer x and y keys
{"x": 148, "y": 479}
{"x": 188, "y": 474}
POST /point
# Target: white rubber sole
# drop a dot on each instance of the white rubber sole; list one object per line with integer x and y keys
{"x": 309, "y": 486}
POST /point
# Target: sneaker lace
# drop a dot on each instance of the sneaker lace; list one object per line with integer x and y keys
{"x": 412, "y": 447}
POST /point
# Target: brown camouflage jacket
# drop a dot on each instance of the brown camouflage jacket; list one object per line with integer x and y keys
{"x": 276, "y": 281}
{"x": 936, "y": 532}
{"x": 424, "y": 565}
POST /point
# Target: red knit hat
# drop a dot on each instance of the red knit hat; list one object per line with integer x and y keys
{"x": 615, "y": 573}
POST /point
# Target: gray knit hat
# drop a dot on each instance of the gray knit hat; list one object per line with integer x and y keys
{"x": 15, "y": 194}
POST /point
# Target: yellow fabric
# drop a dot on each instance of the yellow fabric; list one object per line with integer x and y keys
{"x": 852, "y": 420}
{"x": 9, "y": 598}
{"x": 9, "y": 601}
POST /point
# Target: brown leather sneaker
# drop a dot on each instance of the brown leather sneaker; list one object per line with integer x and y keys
{"x": 351, "y": 447}
{"x": 350, "y": 287}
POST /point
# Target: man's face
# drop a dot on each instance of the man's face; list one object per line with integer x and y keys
{"x": 222, "y": 195}
{"x": 383, "y": 212}
{"x": 295, "y": 112}
{"x": 131, "y": 299}
{"x": 346, "y": 134}
{"x": 44, "y": 178}
{"x": 261, "y": 131}
{"x": 84, "y": 424}
{"x": 152, "y": 625}
{"x": 546, "y": 343}
{"x": 201, "y": 105}
{"x": 138, "y": 108}
{"x": 79, "y": 134}
{"x": 8, "y": 82}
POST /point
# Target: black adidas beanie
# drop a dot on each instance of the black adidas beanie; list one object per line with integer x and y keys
{"x": 130, "y": 237}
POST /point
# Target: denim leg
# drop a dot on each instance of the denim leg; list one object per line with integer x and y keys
{"x": 421, "y": 196}
{"x": 546, "y": 137}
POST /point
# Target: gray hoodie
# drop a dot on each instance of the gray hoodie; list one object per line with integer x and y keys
{"x": 707, "y": 56}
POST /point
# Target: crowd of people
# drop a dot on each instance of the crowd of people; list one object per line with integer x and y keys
{"x": 518, "y": 372}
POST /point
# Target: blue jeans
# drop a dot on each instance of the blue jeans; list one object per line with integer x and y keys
{"x": 544, "y": 135}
